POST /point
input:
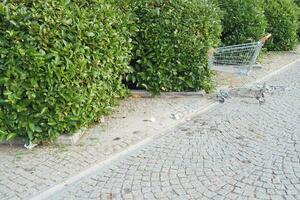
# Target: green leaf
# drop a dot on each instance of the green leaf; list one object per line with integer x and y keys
{"x": 31, "y": 127}
{"x": 90, "y": 34}
{"x": 11, "y": 136}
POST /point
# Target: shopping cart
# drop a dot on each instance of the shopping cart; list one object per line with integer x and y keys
{"x": 237, "y": 58}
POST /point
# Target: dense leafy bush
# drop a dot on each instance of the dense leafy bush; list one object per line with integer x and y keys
{"x": 282, "y": 16}
{"x": 298, "y": 4}
{"x": 171, "y": 45}
{"x": 60, "y": 65}
{"x": 243, "y": 21}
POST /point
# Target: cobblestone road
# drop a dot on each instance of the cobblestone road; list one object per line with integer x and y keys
{"x": 239, "y": 150}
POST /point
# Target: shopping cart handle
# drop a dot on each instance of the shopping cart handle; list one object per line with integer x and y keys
{"x": 265, "y": 38}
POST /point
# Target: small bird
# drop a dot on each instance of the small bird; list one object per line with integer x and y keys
{"x": 222, "y": 95}
{"x": 220, "y": 98}
{"x": 261, "y": 99}
{"x": 261, "y": 94}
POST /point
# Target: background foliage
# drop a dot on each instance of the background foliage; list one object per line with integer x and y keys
{"x": 170, "y": 48}
{"x": 60, "y": 64}
{"x": 298, "y": 4}
{"x": 282, "y": 16}
{"x": 243, "y": 21}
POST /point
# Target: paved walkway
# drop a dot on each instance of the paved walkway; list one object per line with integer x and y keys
{"x": 238, "y": 150}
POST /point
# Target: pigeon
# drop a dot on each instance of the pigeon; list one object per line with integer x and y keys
{"x": 222, "y": 95}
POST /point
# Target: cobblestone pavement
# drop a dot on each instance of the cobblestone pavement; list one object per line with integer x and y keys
{"x": 25, "y": 173}
{"x": 238, "y": 150}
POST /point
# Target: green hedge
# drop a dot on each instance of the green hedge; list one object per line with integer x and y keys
{"x": 243, "y": 21}
{"x": 298, "y": 4}
{"x": 61, "y": 64}
{"x": 171, "y": 45}
{"x": 283, "y": 23}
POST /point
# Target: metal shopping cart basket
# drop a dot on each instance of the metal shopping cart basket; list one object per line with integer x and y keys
{"x": 237, "y": 58}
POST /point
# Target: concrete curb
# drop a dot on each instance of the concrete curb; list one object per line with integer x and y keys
{"x": 15, "y": 142}
{"x": 68, "y": 140}
{"x": 146, "y": 94}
